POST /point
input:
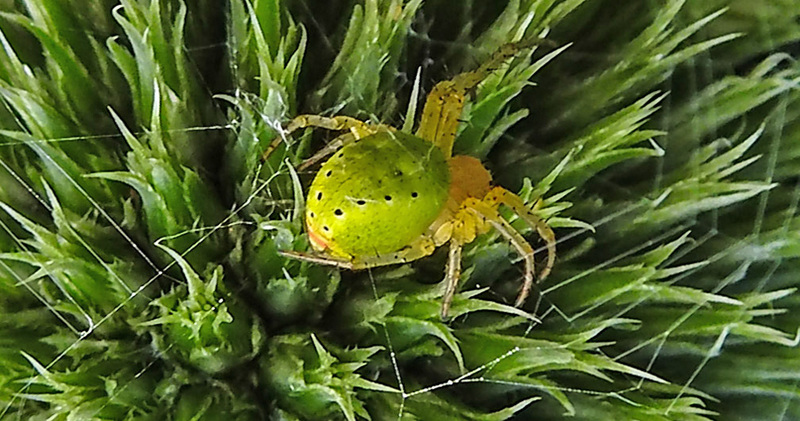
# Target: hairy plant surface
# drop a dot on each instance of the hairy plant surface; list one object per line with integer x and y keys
{"x": 139, "y": 269}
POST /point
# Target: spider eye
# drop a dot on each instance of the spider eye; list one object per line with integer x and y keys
{"x": 361, "y": 202}
{"x": 414, "y": 194}
{"x": 338, "y": 212}
{"x": 319, "y": 196}
{"x": 388, "y": 198}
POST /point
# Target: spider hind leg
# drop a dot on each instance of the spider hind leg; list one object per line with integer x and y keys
{"x": 423, "y": 246}
{"x": 356, "y": 127}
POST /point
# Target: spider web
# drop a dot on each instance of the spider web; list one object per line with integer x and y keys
{"x": 705, "y": 229}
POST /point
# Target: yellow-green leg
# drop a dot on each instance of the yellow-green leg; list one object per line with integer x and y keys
{"x": 329, "y": 149}
{"x": 499, "y": 195}
{"x": 451, "y": 277}
{"x": 487, "y": 211}
{"x": 420, "y": 248}
{"x": 440, "y": 116}
{"x": 318, "y": 258}
{"x": 357, "y": 127}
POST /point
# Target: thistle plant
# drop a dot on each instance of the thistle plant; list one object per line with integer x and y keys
{"x": 139, "y": 253}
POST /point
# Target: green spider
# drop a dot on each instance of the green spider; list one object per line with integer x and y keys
{"x": 390, "y": 197}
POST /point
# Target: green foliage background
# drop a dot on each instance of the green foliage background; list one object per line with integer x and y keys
{"x": 139, "y": 273}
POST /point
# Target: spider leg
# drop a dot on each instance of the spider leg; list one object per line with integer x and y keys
{"x": 329, "y": 149}
{"x": 331, "y": 123}
{"x": 422, "y": 247}
{"x": 488, "y": 212}
{"x": 443, "y": 106}
{"x": 500, "y": 195}
{"x": 357, "y": 127}
{"x": 452, "y": 275}
{"x": 317, "y": 258}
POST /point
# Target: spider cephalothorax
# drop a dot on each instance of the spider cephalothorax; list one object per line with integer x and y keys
{"x": 388, "y": 197}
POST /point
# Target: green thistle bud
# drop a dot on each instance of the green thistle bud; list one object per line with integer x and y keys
{"x": 203, "y": 325}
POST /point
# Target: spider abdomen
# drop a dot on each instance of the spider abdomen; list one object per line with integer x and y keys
{"x": 377, "y": 195}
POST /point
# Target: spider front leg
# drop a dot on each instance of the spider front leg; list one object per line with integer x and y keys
{"x": 498, "y": 195}
{"x": 452, "y": 274}
{"x": 443, "y": 106}
{"x": 486, "y": 210}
